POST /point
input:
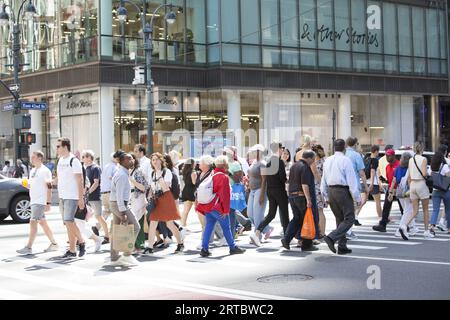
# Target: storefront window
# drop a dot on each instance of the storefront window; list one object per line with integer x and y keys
{"x": 269, "y": 22}
{"x": 289, "y": 23}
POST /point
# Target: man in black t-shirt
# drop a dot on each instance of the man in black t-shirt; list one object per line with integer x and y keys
{"x": 93, "y": 174}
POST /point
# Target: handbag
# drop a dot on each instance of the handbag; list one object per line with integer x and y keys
{"x": 309, "y": 228}
{"x": 237, "y": 201}
{"x": 123, "y": 237}
{"x": 440, "y": 182}
{"x": 402, "y": 187}
{"x": 428, "y": 180}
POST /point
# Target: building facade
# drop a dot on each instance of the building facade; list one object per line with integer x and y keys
{"x": 235, "y": 72}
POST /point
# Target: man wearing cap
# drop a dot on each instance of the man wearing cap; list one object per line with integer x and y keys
{"x": 393, "y": 163}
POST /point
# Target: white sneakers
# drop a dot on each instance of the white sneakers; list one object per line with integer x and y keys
{"x": 52, "y": 247}
{"x": 125, "y": 261}
{"x": 255, "y": 239}
{"x": 427, "y": 234}
{"x": 98, "y": 244}
{"x": 183, "y": 233}
{"x": 413, "y": 230}
{"x": 442, "y": 226}
{"x": 25, "y": 251}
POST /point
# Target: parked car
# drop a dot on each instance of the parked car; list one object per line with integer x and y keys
{"x": 14, "y": 200}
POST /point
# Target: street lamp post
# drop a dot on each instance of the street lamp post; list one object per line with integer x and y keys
{"x": 147, "y": 29}
{"x": 30, "y": 12}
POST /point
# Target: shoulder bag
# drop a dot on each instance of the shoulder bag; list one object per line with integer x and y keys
{"x": 440, "y": 182}
{"x": 428, "y": 180}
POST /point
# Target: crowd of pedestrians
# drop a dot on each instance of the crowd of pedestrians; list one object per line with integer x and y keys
{"x": 230, "y": 194}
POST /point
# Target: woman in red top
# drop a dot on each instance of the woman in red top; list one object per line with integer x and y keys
{"x": 218, "y": 209}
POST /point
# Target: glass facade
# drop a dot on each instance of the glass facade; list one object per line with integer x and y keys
{"x": 65, "y": 33}
{"x": 336, "y": 35}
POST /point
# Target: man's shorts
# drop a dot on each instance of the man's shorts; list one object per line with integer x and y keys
{"x": 97, "y": 207}
{"x": 37, "y": 212}
{"x": 68, "y": 208}
{"x": 106, "y": 204}
{"x": 418, "y": 190}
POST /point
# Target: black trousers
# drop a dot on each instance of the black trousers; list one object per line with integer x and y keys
{"x": 277, "y": 199}
{"x": 298, "y": 205}
{"x": 341, "y": 203}
{"x": 387, "y": 206}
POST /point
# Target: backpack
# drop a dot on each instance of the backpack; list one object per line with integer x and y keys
{"x": 402, "y": 186}
{"x": 175, "y": 187}
{"x": 205, "y": 194}
{"x": 368, "y": 167}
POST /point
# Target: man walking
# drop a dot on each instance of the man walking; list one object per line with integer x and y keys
{"x": 275, "y": 174}
{"x": 71, "y": 194}
{"x": 300, "y": 198}
{"x": 358, "y": 168}
{"x": 120, "y": 199}
{"x": 144, "y": 162}
{"x": 393, "y": 163}
{"x": 340, "y": 189}
{"x": 40, "y": 185}
{"x": 93, "y": 173}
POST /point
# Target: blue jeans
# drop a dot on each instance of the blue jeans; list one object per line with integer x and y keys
{"x": 437, "y": 197}
{"x": 211, "y": 219}
{"x": 256, "y": 211}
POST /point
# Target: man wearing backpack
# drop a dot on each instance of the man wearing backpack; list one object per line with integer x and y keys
{"x": 213, "y": 197}
{"x": 371, "y": 170}
{"x": 71, "y": 193}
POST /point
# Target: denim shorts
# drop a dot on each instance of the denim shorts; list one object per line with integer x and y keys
{"x": 97, "y": 207}
{"x": 375, "y": 190}
{"x": 68, "y": 208}
{"x": 37, "y": 212}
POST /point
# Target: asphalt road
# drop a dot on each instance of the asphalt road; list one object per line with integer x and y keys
{"x": 380, "y": 267}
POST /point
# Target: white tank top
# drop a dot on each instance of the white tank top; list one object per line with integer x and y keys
{"x": 414, "y": 172}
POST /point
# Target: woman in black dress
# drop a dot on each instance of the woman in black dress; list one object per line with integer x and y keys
{"x": 188, "y": 192}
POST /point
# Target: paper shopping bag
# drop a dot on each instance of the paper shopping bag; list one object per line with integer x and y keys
{"x": 123, "y": 237}
{"x": 308, "y": 228}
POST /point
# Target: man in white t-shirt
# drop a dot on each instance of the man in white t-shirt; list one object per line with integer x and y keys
{"x": 144, "y": 162}
{"x": 71, "y": 194}
{"x": 40, "y": 183}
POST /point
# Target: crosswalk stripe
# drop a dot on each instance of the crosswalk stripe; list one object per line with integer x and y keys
{"x": 355, "y": 246}
{"x": 406, "y": 243}
{"x": 371, "y": 235}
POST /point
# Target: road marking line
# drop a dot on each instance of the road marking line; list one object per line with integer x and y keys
{"x": 404, "y": 243}
{"x": 362, "y": 234}
{"x": 354, "y": 246}
{"x": 382, "y": 259}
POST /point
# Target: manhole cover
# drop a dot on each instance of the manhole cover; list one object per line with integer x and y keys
{"x": 285, "y": 278}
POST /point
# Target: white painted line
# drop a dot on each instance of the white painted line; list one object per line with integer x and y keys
{"x": 404, "y": 243}
{"x": 371, "y": 235}
{"x": 350, "y": 256}
{"x": 12, "y": 295}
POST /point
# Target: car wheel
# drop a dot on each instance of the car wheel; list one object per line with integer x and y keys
{"x": 21, "y": 209}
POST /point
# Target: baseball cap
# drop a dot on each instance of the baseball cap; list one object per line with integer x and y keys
{"x": 390, "y": 152}
{"x": 234, "y": 167}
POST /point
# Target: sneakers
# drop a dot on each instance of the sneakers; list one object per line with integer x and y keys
{"x": 413, "y": 231}
{"x": 442, "y": 226}
{"x": 236, "y": 250}
{"x": 397, "y": 234}
{"x": 222, "y": 242}
{"x": 95, "y": 231}
{"x": 98, "y": 244}
{"x": 52, "y": 247}
{"x": 25, "y": 251}
{"x": 269, "y": 232}
{"x": 148, "y": 251}
{"x": 285, "y": 244}
{"x": 69, "y": 255}
{"x": 118, "y": 262}
{"x": 344, "y": 251}
{"x": 255, "y": 239}
{"x": 379, "y": 228}
{"x": 357, "y": 223}
{"x": 180, "y": 248}
{"x": 428, "y": 235}
{"x": 205, "y": 253}
{"x": 351, "y": 236}
{"x": 330, "y": 243}
{"x": 129, "y": 260}
{"x": 432, "y": 231}
{"x": 106, "y": 240}
{"x": 82, "y": 249}
{"x": 403, "y": 232}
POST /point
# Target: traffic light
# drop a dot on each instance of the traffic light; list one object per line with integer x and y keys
{"x": 27, "y": 138}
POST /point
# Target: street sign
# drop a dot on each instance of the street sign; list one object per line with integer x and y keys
{"x": 41, "y": 106}
{"x": 25, "y": 105}
{"x": 8, "y": 106}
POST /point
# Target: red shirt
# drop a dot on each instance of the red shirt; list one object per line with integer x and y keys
{"x": 390, "y": 169}
{"x": 222, "y": 189}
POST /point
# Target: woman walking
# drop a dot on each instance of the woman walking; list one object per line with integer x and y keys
{"x": 140, "y": 186}
{"x": 188, "y": 194}
{"x": 440, "y": 165}
{"x": 321, "y": 203}
{"x": 165, "y": 209}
